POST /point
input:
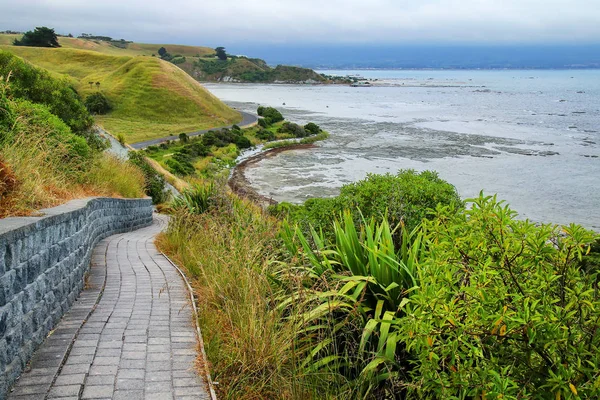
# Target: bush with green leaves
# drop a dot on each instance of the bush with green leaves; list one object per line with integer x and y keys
{"x": 265, "y": 134}
{"x": 97, "y": 103}
{"x": 293, "y": 129}
{"x": 503, "y": 308}
{"x": 473, "y": 304}
{"x": 312, "y": 128}
{"x": 270, "y": 115}
{"x": 402, "y": 198}
{"x": 38, "y": 86}
{"x": 262, "y": 123}
{"x": 154, "y": 182}
{"x": 242, "y": 142}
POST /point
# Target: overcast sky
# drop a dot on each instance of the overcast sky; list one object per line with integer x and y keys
{"x": 226, "y": 22}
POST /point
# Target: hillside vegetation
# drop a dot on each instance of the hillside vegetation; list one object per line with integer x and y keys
{"x": 46, "y": 155}
{"x": 199, "y": 62}
{"x": 396, "y": 290}
{"x": 151, "y": 98}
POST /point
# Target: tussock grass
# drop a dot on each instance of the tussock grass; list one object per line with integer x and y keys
{"x": 42, "y": 175}
{"x": 151, "y": 98}
{"x": 248, "y": 342}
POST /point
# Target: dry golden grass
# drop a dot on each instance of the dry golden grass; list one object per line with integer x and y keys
{"x": 40, "y": 177}
{"x": 248, "y": 343}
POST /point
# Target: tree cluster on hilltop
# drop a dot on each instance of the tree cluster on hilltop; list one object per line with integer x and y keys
{"x": 40, "y": 37}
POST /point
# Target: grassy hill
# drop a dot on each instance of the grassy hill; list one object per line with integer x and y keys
{"x": 151, "y": 98}
{"x": 130, "y": 49}
{"x": 197, "y": 61}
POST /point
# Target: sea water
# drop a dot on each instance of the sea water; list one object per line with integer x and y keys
{"x": 531, "y": 137}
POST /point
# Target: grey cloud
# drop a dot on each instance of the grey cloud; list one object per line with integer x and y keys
{"x": 323, "y": 21}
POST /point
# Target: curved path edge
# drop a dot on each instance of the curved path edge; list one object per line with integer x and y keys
{"x": 248, "y": 120}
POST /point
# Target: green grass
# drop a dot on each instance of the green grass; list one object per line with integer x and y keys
{"x": 151, "y": 98}
{"x": 133, "y": 49}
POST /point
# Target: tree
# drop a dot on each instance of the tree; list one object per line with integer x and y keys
{"x": 98, "y": 85}
{"x": 221, "y": 54}
{"x": 40, "y": 37}
{"x": 184, "y": 137}
{"x": 162, "y": 52}
{"x": 97, "y": 103}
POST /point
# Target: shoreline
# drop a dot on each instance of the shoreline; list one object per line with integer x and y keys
{"x": 240, "y": 185}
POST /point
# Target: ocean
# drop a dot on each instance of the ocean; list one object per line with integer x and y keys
{"x": 531, "y": 137}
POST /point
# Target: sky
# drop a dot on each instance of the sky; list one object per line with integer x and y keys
{"x": 233, "y": 22}
{"x": 314, "y": 21}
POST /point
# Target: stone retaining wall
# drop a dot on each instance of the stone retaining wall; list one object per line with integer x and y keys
{"x": 43, "y": 261}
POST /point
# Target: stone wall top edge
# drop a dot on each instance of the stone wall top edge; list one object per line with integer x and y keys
{"x": 13, "y": 227}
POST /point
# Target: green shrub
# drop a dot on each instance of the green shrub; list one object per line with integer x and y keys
{"x": 209, "y": 139}
{"x": 242, "y": 142}
{"x": 40, "y": 37}
{"x": 293, "y": 129}
{"x": 263, "y": 123}
{"x": 503, "y": 308}
{"x": 38, "y": 86}
{"x": 402, "y": 198}
{"x": 154, "y": 182}
{"x": 270, "y": 114}
{"x": 97, "y": 103}
{"x": 264, "y": 134}
{"x": 474, "y": 304}
{"x": 312, "y": 128}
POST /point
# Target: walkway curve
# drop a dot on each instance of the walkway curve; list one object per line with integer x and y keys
{"x": 247, "y": 120}
{"x": 130, "y": 335}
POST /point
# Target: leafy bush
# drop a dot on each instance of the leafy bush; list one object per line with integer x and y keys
{"x": 209, "y": 139}
{"x": 264, "y": 134}
{"x": 38, "y": 86}
{"x": 270, "y": 115}
{"x": 402, "y": 198}
{"x": 293, "y": 129}
{"x": 474, "y": 305}
{"x": 178, "y": 60}
{"x": 263, "y": 123}
{"x": 503, "y": 308}
{"x": 242, "y": 142}
{"x": 97, "y": 103}
{"x": 181, "y": 164}
{"x": 154, "y": 183}
{"x": 57, "y": 134}
{"x": 312, "y": 128}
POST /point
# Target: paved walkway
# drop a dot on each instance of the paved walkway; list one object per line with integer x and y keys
{"x": 137, "y": 341}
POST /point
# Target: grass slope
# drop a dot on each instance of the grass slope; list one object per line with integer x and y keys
{"x": 151, "y": 98}
{"x": 133, "y": 49}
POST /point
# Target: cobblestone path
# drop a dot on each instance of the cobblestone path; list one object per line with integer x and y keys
{"x": 130, "y": 335}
